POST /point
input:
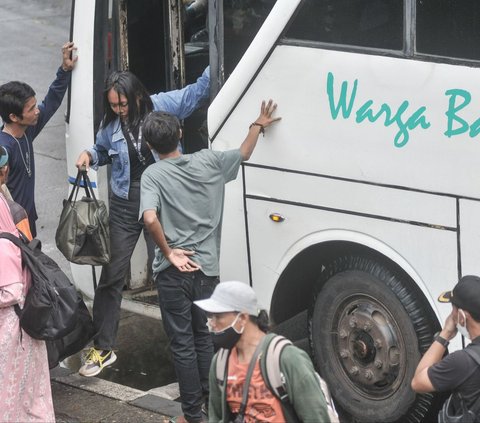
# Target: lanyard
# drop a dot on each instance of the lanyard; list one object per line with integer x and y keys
{"x": 137, "y": 144}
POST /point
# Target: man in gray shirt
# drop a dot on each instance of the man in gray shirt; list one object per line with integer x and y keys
{"x": 181, "y": 203}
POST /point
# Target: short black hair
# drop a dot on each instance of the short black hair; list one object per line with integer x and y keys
{"x": 13, "y": 96}
{"x": 162, "y": 131}
{"x": 139, "y": 101}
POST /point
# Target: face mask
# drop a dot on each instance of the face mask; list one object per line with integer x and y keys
{"x": 228, "y": 337}
{"x": 463, "y": 329}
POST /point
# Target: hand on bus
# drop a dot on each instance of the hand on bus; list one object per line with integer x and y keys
{"x": 83, "y": 161}
{"x": 265, "y": 119}
{"x": 68, "y": 56}
{"x": 181, "y": 260}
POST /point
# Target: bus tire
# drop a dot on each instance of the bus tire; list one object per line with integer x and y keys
{"x": 365, "y": 328}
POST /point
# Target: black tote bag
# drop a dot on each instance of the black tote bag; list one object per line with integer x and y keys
{"x": 83, "y": 233}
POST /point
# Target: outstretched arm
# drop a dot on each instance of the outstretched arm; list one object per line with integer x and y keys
{"x": 176, "y": 256}
{"x": 56, "y": 91}
{"x": 182, "y": 103}
{"x": 263, "y": 121}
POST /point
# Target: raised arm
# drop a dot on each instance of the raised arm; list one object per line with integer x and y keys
{"x": 263, "y": 121}
{"x": 182, "y": 103}
{"x": 57, "y": 89}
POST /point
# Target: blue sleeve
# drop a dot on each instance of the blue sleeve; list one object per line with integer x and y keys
{"x": 99, "y": 151}
{"x": 182, "y": 103}
{"x": 52, "y": 100}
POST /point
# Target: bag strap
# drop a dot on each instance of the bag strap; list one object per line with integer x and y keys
{"x": 274, "y": 378}
{"x": 28, "y": 253}
{"x": 221, "y": 365}
{"x": 76, "y": 187}
{"x": 246, "y": 385}
{"x": 20, "y": 244}
{"x": 88, "y": 187}
{"x": 474, "y": 352}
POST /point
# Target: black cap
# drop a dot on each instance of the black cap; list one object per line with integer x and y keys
{"x": 465, "y": 294}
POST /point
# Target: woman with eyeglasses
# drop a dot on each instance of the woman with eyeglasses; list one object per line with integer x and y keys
{"x": 120, "y": 143}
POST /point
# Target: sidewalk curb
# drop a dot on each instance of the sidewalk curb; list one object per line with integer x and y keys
{"x": 146, "y": 400}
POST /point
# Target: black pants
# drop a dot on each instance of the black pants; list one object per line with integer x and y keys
{"x": 124, "y": 232}
{"x": 190, "y": 341}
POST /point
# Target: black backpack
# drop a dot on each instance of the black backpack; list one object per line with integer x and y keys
{"x": 52, "y": 302}
{"x": 462, "y": 414}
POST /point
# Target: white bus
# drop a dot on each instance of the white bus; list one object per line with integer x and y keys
{"x": 362, "y": 204}
{"x": 166, "y": 47}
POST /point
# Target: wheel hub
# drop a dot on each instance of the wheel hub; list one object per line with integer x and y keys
{"x": 369, "y": 347}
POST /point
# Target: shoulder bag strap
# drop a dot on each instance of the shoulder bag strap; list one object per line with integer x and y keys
{"x": 474, "y": 352}
{"x": 246, "y": 385}
{"x": 221, "y": 365}
{"x": 19, "y": 243}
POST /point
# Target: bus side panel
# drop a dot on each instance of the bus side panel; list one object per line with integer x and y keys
{"x": 470, "y": 236}
{"x": 234, "y": 264}
{"x": 384, "y": 120}
{"x": 80, "y": 130}
{"x": 421, "y": 247}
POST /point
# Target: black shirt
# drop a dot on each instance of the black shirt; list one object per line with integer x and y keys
{"x": 136, "y": 166}
{"x": 458, "y": 372}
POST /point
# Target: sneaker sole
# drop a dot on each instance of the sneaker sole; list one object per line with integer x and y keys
{"x": 107, "y": 363}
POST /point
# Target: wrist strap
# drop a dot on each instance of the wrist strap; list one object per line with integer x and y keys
{"x": 441, "y": 340}
{"x": 262, "y": 128}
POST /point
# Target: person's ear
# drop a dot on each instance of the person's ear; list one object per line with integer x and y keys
{"x": 180, "y": 134}
{"x": 14, "y": 118}
{"x": 243, "y": 319}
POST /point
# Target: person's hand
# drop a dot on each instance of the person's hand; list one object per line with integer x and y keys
{"x": 182, "y": 261}
{"x": 83, "y": 161}
{"x": 68, "y": 57}
{"x": 265, "y": 119}
{"x": 450, "y": 327}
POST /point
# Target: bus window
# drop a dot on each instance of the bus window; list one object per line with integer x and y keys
{"x": 448, "y": 28}
{"x": 363, "y": 23}
{"x": 242, "y": 20}
{"x": 146, "y": 45}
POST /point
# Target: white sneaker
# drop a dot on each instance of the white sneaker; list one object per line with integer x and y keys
{"x": 96, "y": 360}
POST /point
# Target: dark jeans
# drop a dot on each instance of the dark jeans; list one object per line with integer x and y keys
{"x": 190, "y": 341}
{"x": 124, "y": 232}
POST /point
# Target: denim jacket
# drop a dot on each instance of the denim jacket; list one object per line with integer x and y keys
{"x": 111, "y": 145}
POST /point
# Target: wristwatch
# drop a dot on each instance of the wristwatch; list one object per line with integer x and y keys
{"x": 441, "y": 340}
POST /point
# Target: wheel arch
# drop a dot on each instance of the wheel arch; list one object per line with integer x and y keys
{"x": 305, "y": 259}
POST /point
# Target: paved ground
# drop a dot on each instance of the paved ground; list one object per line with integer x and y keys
{"x": 80, "y": 399}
